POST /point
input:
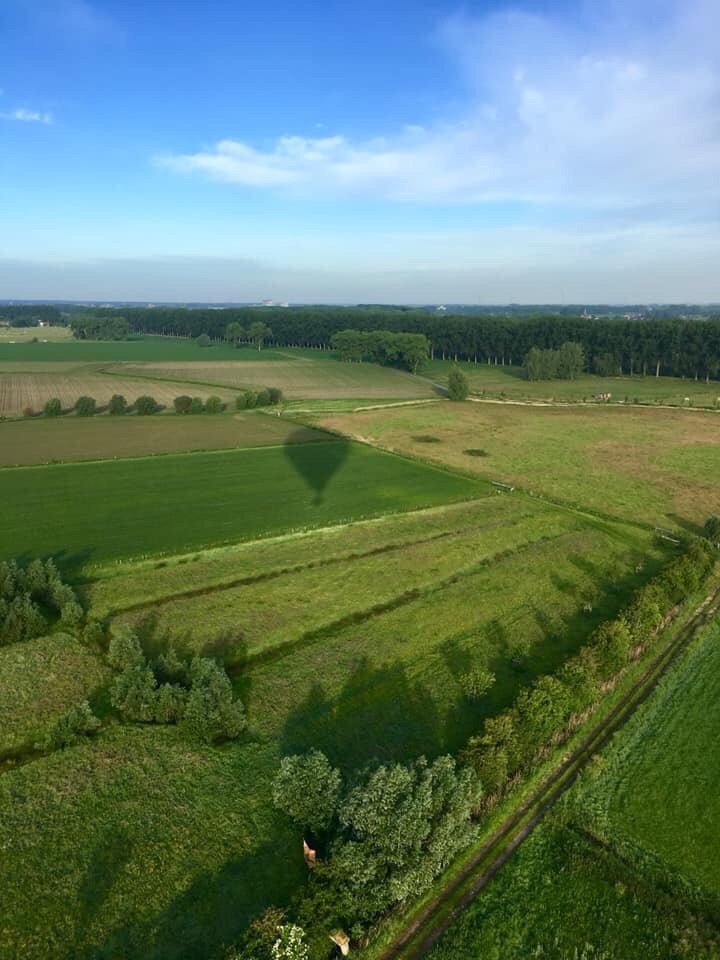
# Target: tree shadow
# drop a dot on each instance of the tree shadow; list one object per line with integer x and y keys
{"x": 316, "y": 463}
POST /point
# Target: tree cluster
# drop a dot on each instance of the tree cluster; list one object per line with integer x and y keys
{"x": 267, "y": 397}
{"x": 565, "y": 363}
{"x": 257, "y": 332}
{"x": 77, "y": 724}
{"x": 31, "y": 597}
{"x": 185, "y": 405}
{"x": 109, "y": 326}
{"x": 30, "y": 314}
{"x": 660, "y": 344}
{"x": 117, "y": 406}
{"x": 510, "y": 741}
{"x": 196, "y": 693}
{"x": 406, "y": 350}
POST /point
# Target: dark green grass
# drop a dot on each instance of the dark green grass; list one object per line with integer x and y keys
{"x": 88, "y": 512}
{"x": 657, "y": 797}
{"x": 144, "y": 348}
{"x": 559, "y": 899}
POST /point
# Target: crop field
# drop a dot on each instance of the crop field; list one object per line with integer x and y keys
{"x": 21, "y": 335}
{"x": 33, "y": 389}
{"x": 39, "y": 440}
{"x": 509, "y": 383}
{"x": 128, "y": 508}
{"x": 40, "y": 680}
{"x": 659, "y": 467}
{"x": 145, "y": 348}
{"x": 297, "y": 375}
{"x": 657, "y": 796}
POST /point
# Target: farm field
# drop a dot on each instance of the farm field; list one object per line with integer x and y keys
{"x": 21, "y": 335}
{"x": 128, "y": 508}
{"x": 298, "y": 375}
{"x": 657, "y": 796}
{"x": 509, "y": 383}
{"x": 67, "y": 349}
{"x": 36, "y": 441}
{"x": 658, "y": 467}
{"x": 33, "y": 389}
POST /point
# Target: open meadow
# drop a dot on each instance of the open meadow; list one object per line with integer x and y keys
{"x": 655, "y": 466}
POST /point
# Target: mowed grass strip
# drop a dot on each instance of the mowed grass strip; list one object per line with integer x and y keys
{"x": 92, "y": 512}
{"x": 148, "y": 582}
{"x": 659, "y": 788}
{"x": 510, "y": 383}
{"x": 297, "y": 376}
{"x": 269, "y": 617}
{"x": 40, "y": 680}
{"x": 35, "y": 441}
{"x": 656, "y": 466}
{"x": 139, "y": 844}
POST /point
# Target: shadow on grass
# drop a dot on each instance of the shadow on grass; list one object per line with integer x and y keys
{"x": 317, "y": 463}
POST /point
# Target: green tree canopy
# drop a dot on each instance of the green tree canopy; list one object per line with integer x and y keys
{"x": 458, "y": 387}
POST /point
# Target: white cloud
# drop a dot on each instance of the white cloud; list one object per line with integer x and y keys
{"x": 29, "y": 116}
{"x": 616, "y": 111}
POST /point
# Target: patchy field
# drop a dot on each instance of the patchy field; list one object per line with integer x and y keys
{"x": 21, "y": 335}
{"x": 36, "y": 441}
{"x": 40, "y": 680}
{"x": 130, "y": 508}
{"x": 657, "y": 466}
{"x": 22, "y": 390}
{"x": 298, "y": 377}
{"x": 510, "y": 383}
{"x": 657, "y": 797}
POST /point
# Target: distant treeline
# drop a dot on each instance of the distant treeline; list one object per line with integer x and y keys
{"x": 30, "y": 315}
{"x": 678, "y": 347}
{"x": 408, "y": 350}
{"x": 105, "y": 327}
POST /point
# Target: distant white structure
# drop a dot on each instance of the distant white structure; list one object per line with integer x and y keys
{"x": 441, "y": 309}
{"x": 274, "y": 303}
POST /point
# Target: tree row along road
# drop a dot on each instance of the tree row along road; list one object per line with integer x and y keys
{"x": 431, "y": 921}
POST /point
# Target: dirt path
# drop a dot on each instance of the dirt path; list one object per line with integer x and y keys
{"x": 431, "y": 921}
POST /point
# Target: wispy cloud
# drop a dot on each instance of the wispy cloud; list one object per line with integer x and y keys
{"x": 29, "y": 116}
{"x": 617, "y": 112}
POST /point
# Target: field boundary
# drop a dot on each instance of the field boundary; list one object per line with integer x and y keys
{"x": 433, "y": 918}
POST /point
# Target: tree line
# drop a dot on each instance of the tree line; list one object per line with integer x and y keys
{"x": 656, "y": 346}
{"x": 380, "y": 837}
{"x": 407, "y": 350}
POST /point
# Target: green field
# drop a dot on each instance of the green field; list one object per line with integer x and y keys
{"x": 130, "y": 508}
{"x": 509, "y": 383}
{"x": 144, "y": 348}
{"x": 657, "y": 797}
{"x": 16, "y": 335}
{"x": 38, "y": 441}
{"x": 659, "y": 467}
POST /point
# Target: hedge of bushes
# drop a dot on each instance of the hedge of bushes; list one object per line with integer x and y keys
{"x": 28, "y": 594}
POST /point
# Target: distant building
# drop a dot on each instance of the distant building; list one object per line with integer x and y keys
{"x": 441, "y": 309}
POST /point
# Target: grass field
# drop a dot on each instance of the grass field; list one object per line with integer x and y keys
{"x": 128, "y": 508}
{"x": 19, "y": 335}
{"x": 144, "y": 348}
{"x": 559, "y": 899}
{"x": 36, "y": 441}
{"x": 658, "y": 793}
{"x": 40, "y": 680}
{"x": 510, "y": 383}
{"x": 659, "y": 467}
{"x": 297, "y": 375}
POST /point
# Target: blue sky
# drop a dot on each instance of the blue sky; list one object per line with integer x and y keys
{"x": 408, "y": 151}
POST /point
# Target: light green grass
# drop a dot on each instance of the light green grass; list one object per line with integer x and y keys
{"x": 143, "y": 348}
{"x": 40, "y": 680}
{"x": 655, "y": 466}
{"x": 42, "y": 440}
{"x": 510, "y": 383}
{"x": 91, "y": 512}
{"x": 658, "y": 792}
{"x": 8, "y": 335}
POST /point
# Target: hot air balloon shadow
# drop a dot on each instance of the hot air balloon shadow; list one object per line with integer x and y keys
{"x": 317, "y": 463}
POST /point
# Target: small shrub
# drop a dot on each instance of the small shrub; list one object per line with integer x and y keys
{"x": 276, "y": 395}
{"x": 476, "y": 452}
{"x": 250, "y": 399}
{"x": 52, "y": 408}
{"x": 203, "y": 340}
{"x": 458, "y": 387}
{"x": 476, "y": 683}
{"x": 426, "y": 438}
{"x": 196, "y": 405}
{"x": 80, "y": 722}
{"x": 263, "y": 398}
{"x": 182, "y": 404}
{"x": 214, "y": 405}
{"x": 28, "y": 412}
{"x": 146, "y": 406}
{"x": 86, "y": 406}
{"x": 241, "y": 402}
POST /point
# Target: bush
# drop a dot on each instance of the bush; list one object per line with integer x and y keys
{"x": 203, "y": 340}
{"x": 307, "y": 789}
{"x": 476, "y": 683}
{"x": 118, "y": 405}
{"x": 182, "y": 404}
{"x": 211, "y": 713}
{"x": 28, "y": 412}
{"x": 53, "y": 407}
{"x": 86, "y": 407}
{"x": 458, "y": 387}
{"x": 263, "y": 398}
{"x": 711, "y": 530}
{"x": 250, "y": 399}
{"x": 26, "y": 593}
{"x": 146, "y": 406}
{"x": 214, "y": 405}
{"x": 124, "y": 650}
{"x": 241, "y": 402}
{"x": 80, "y": 722}
{"x": 276, "y": 395}
{"x": 132, "y": 692}
{"x": 196, "y": 405}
